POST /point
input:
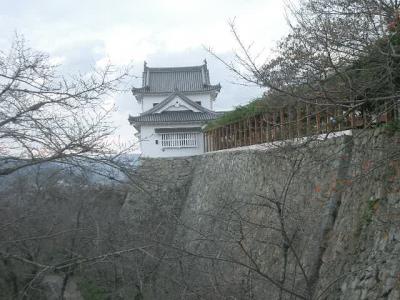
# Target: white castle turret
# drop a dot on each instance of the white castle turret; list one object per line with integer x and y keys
{"x": 176, "y": 103}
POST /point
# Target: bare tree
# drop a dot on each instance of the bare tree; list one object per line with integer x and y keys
{"x": 51, "y": 123}
{"x": 340, "y": 53}
{"x": 58, "y": 227}
{"x": 45, "y": 116}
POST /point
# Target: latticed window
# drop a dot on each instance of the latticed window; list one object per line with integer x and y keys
{"x": 179, "y": 140}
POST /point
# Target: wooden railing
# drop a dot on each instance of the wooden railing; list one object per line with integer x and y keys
{"x": 298, "y": 121}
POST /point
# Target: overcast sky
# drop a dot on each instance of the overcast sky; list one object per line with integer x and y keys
{"x": 86, "y": 33}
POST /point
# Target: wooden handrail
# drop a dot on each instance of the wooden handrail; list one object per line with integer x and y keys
{"x": 296, "y": 122}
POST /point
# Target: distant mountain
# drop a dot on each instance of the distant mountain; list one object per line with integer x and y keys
{"x": 94, "y": 172}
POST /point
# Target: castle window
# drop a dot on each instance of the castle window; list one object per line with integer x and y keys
{"x": 179, "y": 140}
{"x": 198, "y": 102}
{"x": 154, "y": 104}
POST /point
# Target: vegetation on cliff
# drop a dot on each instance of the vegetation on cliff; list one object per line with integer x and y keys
{"x": 342, "y": 53}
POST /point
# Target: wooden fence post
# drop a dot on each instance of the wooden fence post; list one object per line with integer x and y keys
{"x": 289, "y": 121}
{"x": 298, "y": 122}
{"x": 216, "y": 144}
{"x": 231, "y": 137}
{"x": 219, "y": 138}
{"x": 209, "y": 141}
{"x": 365, "y": 119}
{"x": 386, "y": 113}
{"x": 212, "y": 134}
{"x": 217, "y": 141}
{"x": 205, "y": 144}
{"x": 223, "y": 134}
{"x": 214, "y": 139}
{"x": 264, "y": 123}
{"x": 245, "y": 133}
{"x": 352, "y": 118}
{"x": 227, "y": 136}
{"x": 233, "y": 132}
{"x": 236, "y": 130}
{"x": 327, "y": 120}
{"x": 308, "y": 122}
{"x": 240, "y": 133}
{"x": 224, "y": 137}
{"x": 267, "y": 119}
{"x": 249, "y": 132}
{"x": 274, "y": 126}
{"x": 255, "y": 141}
{"x": 262, "y": 129}
{"x": 282, "y": 130}
{"x": 338, "y": 118}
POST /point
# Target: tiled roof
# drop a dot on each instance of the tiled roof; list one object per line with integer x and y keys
{"x": 177, "y": 129}
{"x": 184, "y": 79}
{"x": 174, "y": 117}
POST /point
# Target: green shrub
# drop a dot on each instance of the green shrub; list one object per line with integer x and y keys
{"x": 255, "y": 107}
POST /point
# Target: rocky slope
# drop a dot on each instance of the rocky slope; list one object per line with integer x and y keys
{"x": 308, "y": 220}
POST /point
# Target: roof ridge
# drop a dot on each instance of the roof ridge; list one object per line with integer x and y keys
{"x": 176, "y": 69}
{"x": 181, "y": 111}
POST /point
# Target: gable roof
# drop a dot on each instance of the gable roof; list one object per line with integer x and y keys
{"x": 167, "y": 80}
{"x": 171, "y": 97}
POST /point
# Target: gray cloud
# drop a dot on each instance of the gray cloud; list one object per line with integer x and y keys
{"x": 83, "y": 34}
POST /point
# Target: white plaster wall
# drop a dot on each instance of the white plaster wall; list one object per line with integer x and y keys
{"x": 149, "y": 147}
{"x": 180, "y": 107}
{"x": 147, "y": 102}
{"x": 204, "y": 98}
{"x": 177, "y": 104}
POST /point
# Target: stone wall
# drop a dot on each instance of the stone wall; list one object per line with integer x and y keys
{"x": 312, "y": 220}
